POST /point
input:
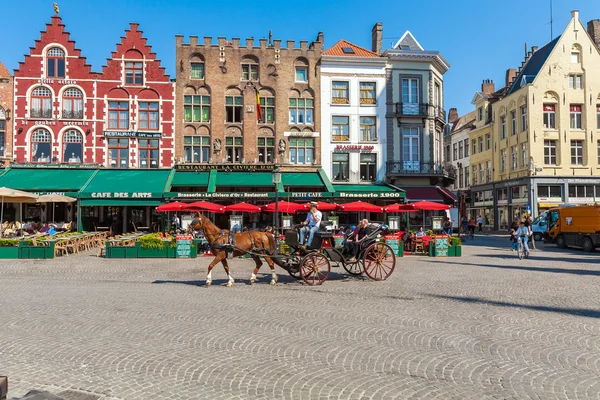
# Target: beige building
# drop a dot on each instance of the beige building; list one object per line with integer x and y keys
{"x": 545, "y": 130}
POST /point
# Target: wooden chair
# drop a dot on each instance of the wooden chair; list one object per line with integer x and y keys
{"x": 418, "y": 245}
{"x": 61, "y": 248}
{"x": 73, "y": 245}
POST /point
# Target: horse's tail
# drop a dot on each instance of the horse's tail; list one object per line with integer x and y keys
{"x": 272, "y": 244}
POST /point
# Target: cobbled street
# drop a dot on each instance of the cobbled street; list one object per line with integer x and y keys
{"x": 484, "y": 326}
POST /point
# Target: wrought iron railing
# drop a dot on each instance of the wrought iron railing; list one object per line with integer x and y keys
{"x": 39, "y": 113}
{"x": 72, "y": 114}
{"x": 420, "y": 168}
{"x": 411, "y": 109}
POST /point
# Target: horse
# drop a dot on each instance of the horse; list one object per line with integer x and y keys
{"x": 251, "y": 241}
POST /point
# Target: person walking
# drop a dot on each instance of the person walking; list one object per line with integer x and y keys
{"x": 480, "y": 223}
{"x": 532, "y": 236}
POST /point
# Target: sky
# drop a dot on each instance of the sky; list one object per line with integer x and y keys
{"x": 480, "y": 39}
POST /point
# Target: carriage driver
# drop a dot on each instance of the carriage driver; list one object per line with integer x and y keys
{"x": 311, "y": 225}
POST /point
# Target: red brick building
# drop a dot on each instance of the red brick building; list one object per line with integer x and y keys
{"x": 6, "y": 104}
{"x": 64, "y": 112}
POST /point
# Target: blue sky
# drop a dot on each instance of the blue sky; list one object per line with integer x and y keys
{"x": 480, "y": 39}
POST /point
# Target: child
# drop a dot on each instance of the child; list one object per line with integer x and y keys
{"x": 514, "y": 240}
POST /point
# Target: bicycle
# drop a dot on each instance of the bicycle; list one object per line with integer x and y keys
{"x": 521, "y": 248}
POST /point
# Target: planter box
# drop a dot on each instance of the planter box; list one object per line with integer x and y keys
{"x": 36, "y": 252}
{"x": 120, "y": 252}
{"x": 151, "y": 253}
{"x": 452, "y": 251}
{"x": 9, "y": 252}
{"x": 458, "y": 251}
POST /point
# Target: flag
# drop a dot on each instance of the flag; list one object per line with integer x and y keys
{"x": 258, "y": 108}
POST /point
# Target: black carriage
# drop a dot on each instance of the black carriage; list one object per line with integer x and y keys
{"x": 313, "y": 265}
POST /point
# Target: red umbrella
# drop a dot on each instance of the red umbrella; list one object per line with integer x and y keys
{"x": 243, "y": 207}
{"x": 285, "y": 207}
{"x": 205, "y": 206}
{"x": 399, "y": 208}
{"x": 360, "y": 206}
{"x": 174, "y": 206}
{"x": 430, "y": 206}
{"x": 324, "y": 206}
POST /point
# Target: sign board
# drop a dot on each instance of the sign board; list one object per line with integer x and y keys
{"x": 441, "y": 247}
{"x": 335, "y": 220}
{"x": 394, "y": 223}
{"x": 301, "y": 134}
{"x": 528, "y": 208}
{"x": 122, "y": 195}
{"x": 236, "y": 223}
{"x": 437, "y": 223}
{"x": 132, "y": 134}
{"x": 353, "y": 147}
{"x": 185, "y": 219}
{"x": 184, "y": 246}
{"x": 225, "y": 167}
{"x": 286, "y": 222}
{"x": 394, "y": 244}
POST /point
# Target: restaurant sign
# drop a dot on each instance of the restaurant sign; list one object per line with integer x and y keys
{"x": 353, "y": 147}
{"x": 370, "y": 195}
{"x": 226, "y": 167}
{"x": 123, "y": 195}
{"x": 288, "y": 196}
{"x": 132, "y": 134}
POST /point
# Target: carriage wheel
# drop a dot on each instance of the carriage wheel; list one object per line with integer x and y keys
{"x": 355, "y": 268}
{"x": 314, "y": 268}
{"x": 379, "y": 261}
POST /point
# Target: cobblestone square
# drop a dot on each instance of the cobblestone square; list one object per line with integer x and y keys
{"x": 484, "y": 326}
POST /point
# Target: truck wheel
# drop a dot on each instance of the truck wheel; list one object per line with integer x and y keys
{"x": 560, "y": 242}
{"x": 538, "y": 237}
{"x": 587, "y": 244}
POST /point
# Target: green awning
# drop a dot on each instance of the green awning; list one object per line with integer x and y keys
{"x": 363, "y": 188}
{"x": 190, "y": 179}
{"x": 245, "y": 179}
{"x": 46, "y": 179}
{"x": 368, "y": 191}
{"x": 306, "y": 179}
{"x": 119, "y": 202}
{"x": 125, "y": 187}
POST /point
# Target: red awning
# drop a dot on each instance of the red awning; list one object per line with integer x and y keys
{"x": 243, "y": 207}
{"x": 360, "y": 206}
{"x": 285, "y": 207}
{"x": 399, "y": 208}
{"x": 451, "y": 196}
{"x": 430, "y": 206}
{"x": 429, "y": 193}
{"x": 174, "y": 206}
{"x": 324, "y": 206}
{"x": 205, "y": 206}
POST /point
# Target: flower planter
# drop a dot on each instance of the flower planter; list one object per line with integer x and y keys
{"x": 452, "y": 251}
{"x": 9, "y": 252}
{"x": 152, "y": 252}
{"x": 36, "y": 252}
{"x": 458, "y": 251}
{"x": 120, "y": 251}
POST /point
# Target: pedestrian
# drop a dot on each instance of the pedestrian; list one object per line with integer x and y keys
{"x": 465, "y": 225}
{"x": 448, "y": 226}
{"x": 532, "y": 237}
{"x": 480, "y": 223}
{"x": 176, "y": 222}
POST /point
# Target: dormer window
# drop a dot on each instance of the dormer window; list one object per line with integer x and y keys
{"x": 55, "y": 62}
{"x": 134, "y": 73}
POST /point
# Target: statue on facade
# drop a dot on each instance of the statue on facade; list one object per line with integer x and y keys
{"x": 56, "y": 10}
{"x": 282, "y": 146}
{"x": 217, "y": 146}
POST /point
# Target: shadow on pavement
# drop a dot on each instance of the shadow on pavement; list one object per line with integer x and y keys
{"x": 583, "y": 312}
{"x": 549, "y": 257}
{"x": 534, "y": 269}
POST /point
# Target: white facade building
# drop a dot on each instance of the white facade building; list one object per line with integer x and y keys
{"x": 353, "y": 106}
{"x": 457, "y": 148}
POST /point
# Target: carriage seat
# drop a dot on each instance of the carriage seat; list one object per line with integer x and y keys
{"x": 291, "y": 238}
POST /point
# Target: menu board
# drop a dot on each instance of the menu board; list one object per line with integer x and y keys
{"x": 394, "y": 243}
{"x": 441, "y": 247}
{"x": 184, "y": 246}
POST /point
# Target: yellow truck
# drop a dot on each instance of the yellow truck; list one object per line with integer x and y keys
{"x": 574, "y": 227}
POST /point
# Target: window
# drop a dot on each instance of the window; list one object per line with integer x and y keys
{"x": 437, "y": 95}
{"x": 480, "y": 141}
{"x": 575, "y": 81}
{"x": 340, "y": 129}
{"x": 196, "y": 108}
{"x": 368, "y": 129}
{"x": 598, "y": 116}
{"x": 367, "y": 93}
{"x": 577, "y": 152}
{"x": 2, "y": 132}
{"x": 267, "y": 106}
{"x": 148, "y": 113}
{"x": 196, "y": 149}
{"x": 523, "y": 118}
{"x": 480, "y": 114}
{"x": 581, "y": 191}
{"x": 148, "y": 153}
{"x": 118, "y": 115}
{"x": 233, "y": 109}
{"x": 503, "y": 160}
{"x": 466, "y": 141}
{"x": 410, "y": 90}
{"x": 550, "y": 116}
{"x": 550, "y": 152}
{"x": 411, "y": 151}
{"x": 41, "y": 146}
{"x": 474, "y": 146}
{"x": 513, "y": 157}
{"x": 524, "y": 155}
{"x": 460, "y": 150}
{"x": 447, "y": 152}
{"x": 197, "y": 71}
{"x": 513, "y": 122}
{"x": 134, "y": 73}
{"x": 301, "y": 74}
{"x": 301, "y": 111}
{"x": 340, "y": 93}
{"x": 488, "y": 169}
{"x": 301, "y": 150}
{"x": 118, "y": 151}
{"x": 72, "y": 146}
{"x": 55, "y": 61}
{"x": 502, "y": 194}
{"x": 41, "y": 103}
{"x": 598, "y": 145}
{"x": 575, "y": 116}
{"x": 459, "y": 183}
{"x": 503, "y": 129}
{"x": 467, "y": 182}
{"x": 481, "y": 173}
{"x": 368, "y": 167}
{"x": 454, "y": 151}
{"x": 474, "y": 174}
{"x": 72, "y": 104}
{"x": 249, "y": 72}
{"x": 575, "y": 57}
{"x": 234, "y": 149}
{"x": 266, "y": 150}
{"x": 550, "y": 191}
{"x": 340, "y": 168}
{"x": 488, "y": 141}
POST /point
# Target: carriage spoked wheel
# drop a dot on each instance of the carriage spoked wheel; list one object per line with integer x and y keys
{"x": 314, "y": 268}
{"x": 379, "y": 261}
{"x": 354, "y": 268}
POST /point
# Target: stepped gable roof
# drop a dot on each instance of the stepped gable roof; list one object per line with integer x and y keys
{"x": 343, "y": 48}
{"x": 532, "y": 67}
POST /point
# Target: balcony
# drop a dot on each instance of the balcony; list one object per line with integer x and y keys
{"x": 416, "y": 110}
{"x": 445, "y": 173}
{"x": 38, "y": 113}
{"x": 67, "y": 114}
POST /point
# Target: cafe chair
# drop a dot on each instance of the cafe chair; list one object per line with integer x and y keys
{"x": 418, "y": 245}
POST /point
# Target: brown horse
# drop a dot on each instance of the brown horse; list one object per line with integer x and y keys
{"x": 253, "y": 241}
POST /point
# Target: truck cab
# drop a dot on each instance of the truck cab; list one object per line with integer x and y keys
{"x": 574, "y": 227}
{"x": 539, "y": 226}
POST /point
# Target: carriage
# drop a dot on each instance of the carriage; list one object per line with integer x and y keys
{"x": 313, "y": 265}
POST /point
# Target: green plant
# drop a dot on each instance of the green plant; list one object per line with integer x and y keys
{"x": 152, "y": 241}
{"x": 429, "y": 233}
{"x": 454, "y": 241}
{"x": 9, "y": 242}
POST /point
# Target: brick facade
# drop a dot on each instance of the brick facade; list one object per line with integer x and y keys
{"x": 222, "y": 76}
{"x": 6, "y": 105}
{"x": 58, "y": 94}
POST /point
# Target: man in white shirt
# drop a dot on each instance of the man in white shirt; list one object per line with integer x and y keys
{"x": 523, "y": 234}
{"x": 480, "y": 223}
{"x": 311, "y": 225}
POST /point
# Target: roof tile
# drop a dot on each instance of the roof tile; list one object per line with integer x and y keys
{"x": 337, "y": 50}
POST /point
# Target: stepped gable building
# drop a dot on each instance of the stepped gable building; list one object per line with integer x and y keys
{"x": 248, "y": 103}
{"x": 66, "y": 113}
{"x": 6, "y": 105}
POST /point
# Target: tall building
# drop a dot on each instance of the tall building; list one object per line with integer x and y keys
{"x": 353, "y": 104}
{"x": 64, "y": 112}
{"x": 456, "y": 147}
{"x": 6, "y": 105}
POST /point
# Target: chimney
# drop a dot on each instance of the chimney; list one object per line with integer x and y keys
{"x": 534, "y": 49}
{"x": 377, "y": 37}
{"x": 575, "y": 14}
{"x": 511, "y": 75}
{"x": 593, "y": 28}
{"x": 452, "y": 116}
{"x": 488, "y": 86}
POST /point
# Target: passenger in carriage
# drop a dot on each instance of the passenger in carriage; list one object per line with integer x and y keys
{"x": 361, "y": 234}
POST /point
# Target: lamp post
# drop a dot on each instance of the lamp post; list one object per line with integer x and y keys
{"x": 276, "y": 177}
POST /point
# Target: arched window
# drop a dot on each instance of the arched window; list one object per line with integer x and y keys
{"x": 249, "y": 69}
{"x": 41, "y": 146}
{"x": 2, "y": 130}
{"x": 73, "y": 104}
{"x": 41, "y": 103}
{"x": 72, "y": 146}
{"x": 55, "y": 63}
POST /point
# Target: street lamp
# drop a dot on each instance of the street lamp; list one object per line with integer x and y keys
{"x": 276, "y": 178}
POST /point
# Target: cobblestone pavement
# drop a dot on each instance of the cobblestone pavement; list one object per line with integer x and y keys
{"x": 484, "y": 326}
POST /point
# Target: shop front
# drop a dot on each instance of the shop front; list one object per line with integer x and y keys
{"x": 483, "y": 206}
